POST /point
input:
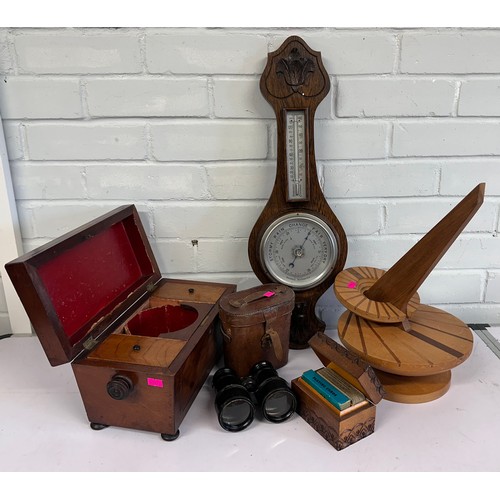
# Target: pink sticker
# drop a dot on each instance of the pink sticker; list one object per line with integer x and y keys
{"x": 155, "y": 382}
{"x": 269, "y": 294}
{"x": 351, "y": 284}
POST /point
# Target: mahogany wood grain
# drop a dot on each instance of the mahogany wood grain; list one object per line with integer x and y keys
{"x": 198, "y": 291}
{"x": 295, "y": 78}
{"x": 137, "y": 350}
{"x": 167, "y": 373}
{"x": 148, "y": 407}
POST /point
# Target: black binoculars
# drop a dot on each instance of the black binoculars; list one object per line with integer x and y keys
{"x": 238, "y": 398}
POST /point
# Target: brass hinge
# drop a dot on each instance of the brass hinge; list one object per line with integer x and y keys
{"x": 90, "y": 343}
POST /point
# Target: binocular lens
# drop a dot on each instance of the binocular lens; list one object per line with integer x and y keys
{"x": 279, "y": 405}
{"x": 236, "y": 414}
{"x": 232, "y": 402}
{"x": 277, "y": 400}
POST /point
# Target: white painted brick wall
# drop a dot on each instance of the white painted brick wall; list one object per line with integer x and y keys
{"x": 154, "y": 181}
{"x": 241, "y": 180}
{"x": 147, "y": 97}
{"x": 480, "y": 97}
{"x": 240, "y": 98}
{"x": 173, "y": 121}
{"x": 355, "y": 180}
{"x": 395, "y": 97}
{"x": 356, "y": 139}
{"x": 206, "y": 52}
{"x": 493, "y": 289}
{"x": 419, "y": 216}
{"x": 6, "y": 63}
{"x": 86, "y": 141}
{"x": 458, "y": 175}
{"x": 196, "y": 220}
{"x": 447, "y": 137}
{"x": 52, "y": 182}
{"x": 450, "y": 51}
{"x": 13, "y": 139}
{"x": 78, "y": 53}
{"x": 29, "y": 97}
{"x": 209, "y": 140}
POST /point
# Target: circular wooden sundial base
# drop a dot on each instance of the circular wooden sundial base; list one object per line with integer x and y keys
{"x": 350, "y": 287}
{"x": 434, "y": 342}
{"x": 412, "y": 390}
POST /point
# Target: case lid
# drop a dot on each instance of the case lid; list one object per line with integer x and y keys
{"x": 356, "y": 371}
{"x": 255, "y": 305}
{"x": 78, "y": 285}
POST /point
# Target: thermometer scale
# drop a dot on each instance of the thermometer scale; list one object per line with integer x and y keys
{"x": 296, "y": 155}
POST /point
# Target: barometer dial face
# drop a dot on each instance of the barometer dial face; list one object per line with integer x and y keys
{"x": 299, "y": 250}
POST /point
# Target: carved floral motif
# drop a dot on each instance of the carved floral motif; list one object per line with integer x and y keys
{"x": 295, "y": 69}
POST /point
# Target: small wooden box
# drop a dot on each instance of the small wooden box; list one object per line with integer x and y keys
{"x": 141, "y": 346}
{"x": 340, "y": 428}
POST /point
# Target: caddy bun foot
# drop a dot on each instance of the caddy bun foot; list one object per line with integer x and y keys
{"x": 97, "y": 427}
{"x": 170, "y": 437}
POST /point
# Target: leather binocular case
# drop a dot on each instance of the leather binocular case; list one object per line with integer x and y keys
{"x": 256, "y": 326}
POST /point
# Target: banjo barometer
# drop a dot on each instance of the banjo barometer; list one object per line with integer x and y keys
{"x": 297, "y": 240}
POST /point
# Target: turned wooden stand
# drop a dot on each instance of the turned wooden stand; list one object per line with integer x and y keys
{"x": 412, "y": 346}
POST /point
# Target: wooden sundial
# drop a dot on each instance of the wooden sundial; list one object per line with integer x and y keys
{"x": 297, "y": 240}
{"x": 412, "y": 346}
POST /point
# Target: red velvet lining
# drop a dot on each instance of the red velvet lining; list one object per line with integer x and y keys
{"x": 165, "y": 319}
{"x": 87, "y": 281}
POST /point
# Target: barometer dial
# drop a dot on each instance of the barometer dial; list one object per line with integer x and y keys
{"x": 299, "y": 250}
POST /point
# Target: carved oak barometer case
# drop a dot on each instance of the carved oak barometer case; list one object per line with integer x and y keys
{"x": 297, "y": 240}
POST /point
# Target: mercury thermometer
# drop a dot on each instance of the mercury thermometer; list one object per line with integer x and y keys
{"x": 296, "y": 155}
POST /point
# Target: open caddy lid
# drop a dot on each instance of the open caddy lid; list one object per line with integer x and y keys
{"x": 77, "y": 286}
{"x": 356, "y": 371}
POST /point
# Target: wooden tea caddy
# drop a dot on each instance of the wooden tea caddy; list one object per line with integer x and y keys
{"x": 141, "y": 346}
{"x": 340, "y": 428}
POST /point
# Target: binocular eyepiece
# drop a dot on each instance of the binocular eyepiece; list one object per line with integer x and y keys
{"x": 237, "y": 398}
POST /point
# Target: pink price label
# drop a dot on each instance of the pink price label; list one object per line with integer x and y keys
{"x": 269, "y": 294}
{"x": 351, "y": 284}
{"x": 155, "y": 382}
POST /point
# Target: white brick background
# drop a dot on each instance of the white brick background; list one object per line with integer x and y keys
{"x": 173, "y": 121}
